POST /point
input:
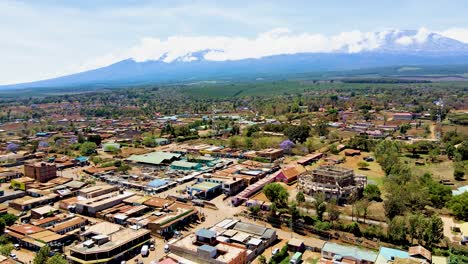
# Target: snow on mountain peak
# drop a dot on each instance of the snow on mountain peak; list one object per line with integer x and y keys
{"x": 284, "y": 42}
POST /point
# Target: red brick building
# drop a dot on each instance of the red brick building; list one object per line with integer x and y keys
{"x": 40, "y": 171}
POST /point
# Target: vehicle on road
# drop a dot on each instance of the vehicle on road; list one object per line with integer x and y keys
{"x": 144, "y": 251}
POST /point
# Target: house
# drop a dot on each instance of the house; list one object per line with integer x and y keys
{"x": 352, "y": 152}
{"x": 162, "y": 141}
{"x": 296, "y": 245}
{"x": 421, "y": 253}
{"x": 43, "y": 211}
{"x": 271, "y": 154}
{"x": 309, "y": 159}
{"x": 289, "y": 174}
{"x": 336, "y": 253}
{"x": 402, "y": 116}
{"x": 387, "y": 255}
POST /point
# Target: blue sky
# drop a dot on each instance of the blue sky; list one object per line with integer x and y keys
{"x": 43, "y": 39}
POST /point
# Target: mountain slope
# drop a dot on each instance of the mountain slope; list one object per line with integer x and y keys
{"x": 392, "y": 48}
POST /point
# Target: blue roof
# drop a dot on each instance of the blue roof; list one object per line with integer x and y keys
{"x": 207, "y": 248}
{"x": 388, "y": 253}
{"x": 157, "y": 183}
{"x": 81, "y": 158}
{"x": 460, "y": 190}
{"x": 206, "y": 233}
{"x": 345, "y": 251}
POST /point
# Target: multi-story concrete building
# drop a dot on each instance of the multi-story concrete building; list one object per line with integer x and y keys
{"x": 335, "y": 182}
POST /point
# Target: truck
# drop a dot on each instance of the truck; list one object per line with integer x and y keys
{"x": 144, "y": 250}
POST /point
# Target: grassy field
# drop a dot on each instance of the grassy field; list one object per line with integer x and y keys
{"x": 460, "y": 129}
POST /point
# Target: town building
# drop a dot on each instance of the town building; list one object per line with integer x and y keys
{"x": 244, "y": 242}
{"x": 43, "y": 211}
{"x": 108, "y": 247}
{"x": 95, "y": 191}
{"x": 34, "y": 237}
{"x": 289, "y": 174}
{"x": 333, "y": 253}
{"x": 402, "y": 116}
{"x": 70, "y": 225}
{"x": 205, "y": 189}
{"x": 93, "y": 205}
{"x": 158, "y": 158}
{"x": 40, "y": 171}
{"x": 335, "y": 182}
{"x": 185, "y": 165}
{"x": 27, "y": 202}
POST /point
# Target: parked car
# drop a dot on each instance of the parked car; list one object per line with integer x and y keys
{"x": 152, "y": 247}
{"x": 166, "y": 248}
{"x": 275, "y": 251}
{"x": 13, "y": 256}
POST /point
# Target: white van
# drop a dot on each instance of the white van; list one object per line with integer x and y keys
{"x": 144, "y": 250}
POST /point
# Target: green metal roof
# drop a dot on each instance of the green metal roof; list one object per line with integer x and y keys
{"x": 155, "y": 158}
{"x": 205, "y": 186}
{"x": 185, "y": 164}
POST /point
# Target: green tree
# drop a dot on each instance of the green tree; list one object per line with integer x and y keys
{"x": 235, "y": 129}
{"x": 462, "y": 150}
{"x": 88, "y": 148}
{"x": 362, "y": 165}
{"x": 372, "y": 192}
{"x": 319, "y": 205}
{"x": 149, "y": 142}
{"x": 251, "y": 130}
{"x": 42, "y": 256}
{"x": 254, "y": 210}
{"x": 321, "y": 127}
{"x": 394, "y": 206}
{"x": 362, "y": 208}
{"x": 262, "y": 259}
{"x": 2, "y": 225}
{"x": 6, "y": 249}
{"x": 415, "y": 225}
{"x": 9, "y": 219}
{"x": 396, "y": 230}
{"x": 95, "y": 138}
{"x": 57, "y": 259}
{"x": 277, "y": 194}
{"x": 459, "y": 206}
{"x": 297, "y": 133}
{"x": 433, "y": 231}
{"x": 300, "y": 198}
{"x": 458, "y": 174}
{"x": 333, "y": 211}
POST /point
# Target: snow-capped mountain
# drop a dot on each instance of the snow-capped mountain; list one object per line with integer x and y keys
{"x": 356, "y": 51}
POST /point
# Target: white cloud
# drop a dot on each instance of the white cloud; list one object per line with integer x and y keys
{"x": 405, "y": 41}
{"x": 460, "y": 34}
{"x": 276, "y": 41}
{"x": 418, "y": 38}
